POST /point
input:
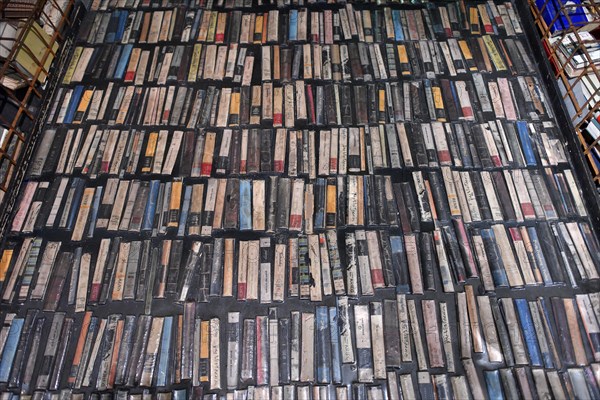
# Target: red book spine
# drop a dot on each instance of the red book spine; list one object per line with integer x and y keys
{"x": 377, "y": 278}
{"x": 206, "y": 169}
{"x": 444, "y": 156}
{"x": 333, "y": 163}
{"x": 259, "y": 367}
{"x": 241, "y": 291}
{"x": 278, "y": 165}
{"x": 467, "y": 112}
{"x": 295, "y": 221}
{"x": 497, "y": 161}
{"x": 515, "y": 234}
{"x": 95, "y": 292}
{"x": 527, "y": 209}
{"x": 311, "y": 103}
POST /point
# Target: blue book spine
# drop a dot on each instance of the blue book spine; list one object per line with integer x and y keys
{"x": 94, "y": 211}
{"x": 148, "y": 220}
{"x": 399, "y": 260}
{"x": 538, "y": 254}
{"x": 180, "y": 394}
{"x": 456, "y": 102}
{"x": 549, "y": 321}
{"x": 563, "y": 195}
{"x": 293, "y": 32}
{"x": 528, "y": 330}
{"x": 496, "y": 264}
{"x": 73, "y": 104}
{"x": 465, "y": 155}
{"x": 194, "y": 32}
{"x": 123, "y": 15}
{"x": 494, "y": 26}
{"x": 536, "y": 307}
{"x": 79, "y": 186}
{"x": 435, "y": 24}
{"x": 494, "y": 387}
{"x": 398, "y": 31}
{"x": 526, "y": 143}
{"x": 336, "y": 352}
{"x": 163, "y": 360}
{"x": 323, "y": 348}
{"x": 109, "y": 37}
{"x": 123, "y": 61}
{"x": 10, "y": 348}
{"x": 320, "y": 186}
{"x": 591, "y": 381}
{"x": 245, "y": 205}
{"x": 185, "y": 209}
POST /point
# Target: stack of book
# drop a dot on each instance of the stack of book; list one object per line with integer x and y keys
{"x": 300, "y": 200}
{"x": 577, "y": 52}
{"x": 29, "y": 60}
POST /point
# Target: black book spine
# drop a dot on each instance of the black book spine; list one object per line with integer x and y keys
{"x": 564, "y": 337}
{"x": 454, "y": 253}
{"x": 386, "y": 255}
{"x": 417, "y": 145}
{"x": 427, "y": 260}
{"x": 480, "y": 196}
{"x": 341, "y": 202}
{"x": 372, "y": 113}
{"x": 174, "y": 265}
{"x": 482, "y": 149}
{"x": 284, "y": 351}
{"x": 411, "y": 206}
{"x": 369, "y": 203}
{"x": 319, "y": 191}
{"x": 108, "y": 277}
{"x": 503, "y": 196}
{"x": 273, "y": 182}
{"x": 439, "y": 196}
{"x": 205, "y": 272}
{"x": 381, "y": 211}
{"x": 245, "y": 105}
{"x": 330, "y": 103}
{"x": 216, "y": 276}
{"x": 232, "y": 204}
{"x": 266, "y": 151}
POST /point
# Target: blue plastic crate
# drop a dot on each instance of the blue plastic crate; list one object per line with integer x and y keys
{"x": 552, "y": 7}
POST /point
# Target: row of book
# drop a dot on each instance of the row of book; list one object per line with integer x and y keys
{"x": 229, "y": 4}
{"x": 281, "y": 204}
{"x": 495, "y": 145}
{"x": 510, "y": 382}
{"x": 310, "y": 267}
{"x": 295, "y": 25}
{"x": 210, "y": 4}
{"x": 303, "y": 105}
{"x": 546, "y": 334}
{"x": 345, "y": 62}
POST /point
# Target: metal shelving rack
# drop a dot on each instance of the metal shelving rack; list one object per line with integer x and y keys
{"x": 26, "y": 103}
{"x": 555, "y": 19}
